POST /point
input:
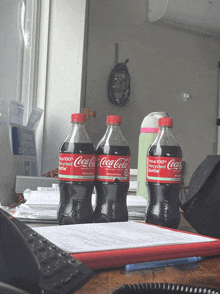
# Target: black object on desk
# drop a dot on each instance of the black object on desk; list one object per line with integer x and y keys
{"x": 162, "y": 288}
{"x": 202, "y": 208}
{"x": 32, "y": 263}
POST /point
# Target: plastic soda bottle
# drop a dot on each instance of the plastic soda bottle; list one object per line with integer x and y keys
{"x": 163, "y": 179}
{"x": 76, "y": 174}
{"x": 112, "y": 174}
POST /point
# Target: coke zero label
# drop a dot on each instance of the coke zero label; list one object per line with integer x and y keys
{"x": 110, "y": 167}
{"x": 76, "y": 167}
{"x": 164, "y": 169}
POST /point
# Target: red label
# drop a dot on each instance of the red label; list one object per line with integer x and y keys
{"x": 76, "y": 167}
{"x": 164, "y": 169}
{"x": 111, "y": 167}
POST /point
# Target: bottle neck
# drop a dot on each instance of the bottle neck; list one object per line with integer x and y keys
{"x": 113, "y": 136}
{"x": 78, "y": 133}
{"x": 113, "y": 132}
{"x": 113, "y": 128}
{"x": 165, "y": 129}
{"x": 165, "y": 137}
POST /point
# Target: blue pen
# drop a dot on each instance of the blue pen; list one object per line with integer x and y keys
{"x": 161, "y": 263}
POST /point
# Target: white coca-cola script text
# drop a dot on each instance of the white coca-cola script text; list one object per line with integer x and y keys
{"x": 83, "y": 162}
{"x": 172, "y": 164}
{"x": 118, "y": 163}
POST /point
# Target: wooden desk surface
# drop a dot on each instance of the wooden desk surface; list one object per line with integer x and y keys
{"x": 206, "y": 273}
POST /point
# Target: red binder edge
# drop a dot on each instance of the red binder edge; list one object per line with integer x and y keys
{"x": 119, "y": 258}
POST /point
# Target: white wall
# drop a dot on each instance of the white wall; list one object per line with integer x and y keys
{"x": 64, "y": 74}
{"x": 163, "y": 64}
{"x": 11, "y": 50}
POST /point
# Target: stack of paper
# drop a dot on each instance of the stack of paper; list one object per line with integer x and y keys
{"x": 43, "y": 204}
{"x": 109, "y": 245}
{"x": 43, "y": 198}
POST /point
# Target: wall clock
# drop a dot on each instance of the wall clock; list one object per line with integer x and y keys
{"x": 119, "y": 83}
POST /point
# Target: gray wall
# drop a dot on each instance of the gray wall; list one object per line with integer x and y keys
{"x": 163, "y": 63}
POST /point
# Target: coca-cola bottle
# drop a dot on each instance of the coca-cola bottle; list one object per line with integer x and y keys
{"x": 76, "y": 174}
{"x": 163, "y": 178}
{"x": 112, "y": 174}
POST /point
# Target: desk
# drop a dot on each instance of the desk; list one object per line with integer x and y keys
{"x": 206, "y": 273}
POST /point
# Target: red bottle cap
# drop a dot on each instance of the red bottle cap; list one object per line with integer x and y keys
{"x": 165, "y": 121}
{"x": 113, "y": 119}
{"x": 78, "y": 117}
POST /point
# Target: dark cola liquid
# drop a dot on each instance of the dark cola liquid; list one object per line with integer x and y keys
{"x": 163, "y": 208}
{"x": 111, "y": 197}
{"x": 75, "y": 197}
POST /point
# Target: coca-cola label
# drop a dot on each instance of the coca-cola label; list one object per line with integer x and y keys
{"x": 111, "y": 167}
{"x": 76, "y": 167}
{"x": 164, "y": 169}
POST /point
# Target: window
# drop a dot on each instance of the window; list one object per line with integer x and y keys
{"x": 19, "y": 22}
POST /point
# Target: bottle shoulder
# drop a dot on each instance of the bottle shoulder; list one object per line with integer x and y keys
{"x": 77, "y": 148}
{"x": 164, "y": 151}
{"x": 165, "y": 137}
{"x": 105, "y": 149}
{"x": 113, "y": 137}
{"x": 78, "y": 134}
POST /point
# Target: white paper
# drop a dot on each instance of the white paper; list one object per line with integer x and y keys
{"x": 16, "y": 112}
{"x": 43, "y": 204}
{"x": 46, "y": 198}
{"x": 133, "y": 185}
{"x": 34, "y": 118}
{"x": 110, "y": 236}
{"x": 43, "y": 197}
